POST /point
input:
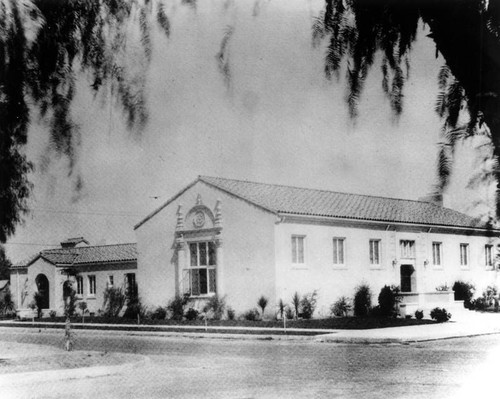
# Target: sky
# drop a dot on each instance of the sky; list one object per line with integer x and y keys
{"x": 279, "y": 121}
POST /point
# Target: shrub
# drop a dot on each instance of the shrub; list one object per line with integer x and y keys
{"x": 69, "y": 296}
{"x": 52, "y": 314}
{"x": 176, "y": 306}
{"x": 341, "y": 307}
{"x": 262, "y": 302}
{"x": 281, "y": 308}
{"x": 308, "y": 304}
{"x": 289, "y": 313}
{"x": 215, "y": 306}
{"x": 419, "y": 314}
{"x": 443, "y": 287}
{"x": 38, "y": 300}
{"x": 440, "y": 315}
{"x": 387, "y": 300}
{"x": 114, "y": 300}
{"x": 252, "y": 315}
{"x": 464, "y": 292}
{"x": 135, "y": 309}
{"x": 160, "y": 313}
{"x": 296, "y": 303}
{"x": 362, "y": 300}
{"x": 7, "y": 307}
{"x": 191, "y": 314}
{"x": 83, "y": 307}
{"x": 230, "y": 313}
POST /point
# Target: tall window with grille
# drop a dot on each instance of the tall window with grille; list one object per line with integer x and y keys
{"x": 375, "y": 252}
{"x": 407, "y": 248}
{"x": 79, "y": 285}
{"x": 338, "y": 251}
{"x": 298, "y": 243}
{"x": 203, "y": 261}
{"x": 92, "y": 285}
{"x": 437, "y": 253}
{"x": 488, "y": 255}
{"x": 464, "y": 255}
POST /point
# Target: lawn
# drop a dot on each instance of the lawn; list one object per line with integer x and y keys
{"x": 342, "y": 323}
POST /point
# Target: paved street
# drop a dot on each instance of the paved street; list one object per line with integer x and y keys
{"x": 215, "y": 368}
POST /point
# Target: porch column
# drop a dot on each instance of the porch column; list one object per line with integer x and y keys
{"x": 181, "y": 265}
{"x": 219, "y": 274}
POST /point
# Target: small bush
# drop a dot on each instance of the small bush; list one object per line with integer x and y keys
{"x": 282, "y": 308}
{"x": 160, "y": 313}
{"x": 230, "y": 313}
{"x": 215, "y": 306}
{"x": 296, "y": 303}
{"x": 419, "y": 314}
{"x": 176, "y": 306}
{"x": 308, "y": 304}
{"x": 38, "y": 300}
{"x": 289, "y": 313}
{"x": 252, "y": 315}
{"x": 191, "y": 314}
{"x": 387, "y": 300}
{"x": 443, "y": 287}
{"x": 362, "y": 300}
{"x": 262, "y": 302}
{"x": 341, "y": 307}
{"x": 114, "y": 299}
{"x": 52, "y": 314}
{"x": 464, "y": 292}
{"x": 440, "y": 315}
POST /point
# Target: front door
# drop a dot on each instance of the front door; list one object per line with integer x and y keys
{"x": 407, "y": 272}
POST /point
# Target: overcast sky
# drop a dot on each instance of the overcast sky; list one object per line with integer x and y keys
{"x": 280, "y": 121}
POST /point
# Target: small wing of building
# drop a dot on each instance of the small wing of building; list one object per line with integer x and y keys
{"x": 91, "y": 269}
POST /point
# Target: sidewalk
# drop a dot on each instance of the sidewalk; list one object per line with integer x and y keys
{"x": 463, "y": 324}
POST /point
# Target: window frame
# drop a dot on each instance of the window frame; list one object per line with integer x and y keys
{"x": 403, "y": 251}
{"x": 295, "y": 249}
{"x": 335, "y": 262}
{"x": 79, "y": 286}
{"x": 111, "y": 280}
{"x": 211, "y": 269}
{"x": 439, "y": 264}
{"x": 375, "y": 263}
{"x": 464, "y": 256}
{"x": 489, "y": 259}
{"x": 92, "y": 283}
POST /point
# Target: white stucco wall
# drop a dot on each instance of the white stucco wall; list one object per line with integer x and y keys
{"x": 332, "y": 281}
{"x": 246, "y": 267}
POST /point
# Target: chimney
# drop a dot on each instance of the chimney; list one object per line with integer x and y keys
{"x": 73, "y": 242}
{"x": 436, "y": 199}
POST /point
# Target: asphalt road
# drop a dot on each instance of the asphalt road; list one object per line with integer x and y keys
{"x": 219, "y": 368}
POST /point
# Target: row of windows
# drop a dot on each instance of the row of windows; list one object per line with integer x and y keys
{"x": 92, "y": 287}
{"x": 406, "y": 247}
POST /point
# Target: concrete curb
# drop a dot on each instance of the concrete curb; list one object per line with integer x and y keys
{"x": 32, "y": 377}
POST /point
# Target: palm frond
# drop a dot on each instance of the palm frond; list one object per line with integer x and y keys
{"x": 162, "y": 19}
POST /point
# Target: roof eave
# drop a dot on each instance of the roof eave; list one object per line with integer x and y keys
{"x": 399, "y": 223}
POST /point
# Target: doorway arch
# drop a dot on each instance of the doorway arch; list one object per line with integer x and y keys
{"x": 42, "y": 286}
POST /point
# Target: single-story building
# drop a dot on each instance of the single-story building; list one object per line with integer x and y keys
{"x": 90, "y": 268}
{"x": 242, "y": 240}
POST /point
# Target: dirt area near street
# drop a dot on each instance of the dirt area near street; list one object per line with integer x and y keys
{"x": 20, "y": 357}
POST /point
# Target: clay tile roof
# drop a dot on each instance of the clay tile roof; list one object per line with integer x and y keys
{"x": 86, "y": 255}
{"x": 303, "y": 201}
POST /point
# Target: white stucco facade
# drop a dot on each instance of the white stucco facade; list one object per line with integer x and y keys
{"x": 254, "y": 249}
